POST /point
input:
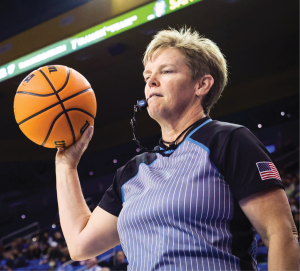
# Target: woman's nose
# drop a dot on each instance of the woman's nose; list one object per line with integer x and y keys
{"x": 153, "y": 81}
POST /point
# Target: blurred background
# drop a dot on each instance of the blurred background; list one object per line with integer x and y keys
{"x": 260, "y": 40}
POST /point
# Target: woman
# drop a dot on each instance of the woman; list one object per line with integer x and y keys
{"x": 191, "y": 204}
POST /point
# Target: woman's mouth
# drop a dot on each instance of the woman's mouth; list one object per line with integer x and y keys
{"x": 154, "y": 95}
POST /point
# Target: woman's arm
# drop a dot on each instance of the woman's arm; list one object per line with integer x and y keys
{"x": 270, "y": 214}
{"x": 87, "y": 235}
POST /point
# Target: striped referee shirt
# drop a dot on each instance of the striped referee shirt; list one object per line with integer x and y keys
{"x": 179, "y": 210}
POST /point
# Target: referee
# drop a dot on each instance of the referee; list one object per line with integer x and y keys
{"x": 195, "y": 203}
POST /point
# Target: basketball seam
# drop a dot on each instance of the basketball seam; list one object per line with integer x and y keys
{"x": 81, "y": 110}
{"x": 37, "y": 113}
{"x": 47, "y": 95}
{"x": 35, "y": 94}
{"x": 53, "y": 105}
{"x": 61, "y": 103}
{"x": 58, "y": 116}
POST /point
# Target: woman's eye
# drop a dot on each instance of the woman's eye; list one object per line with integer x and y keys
{"x": 146, "y": 79}
{"x": 167, "y": 71}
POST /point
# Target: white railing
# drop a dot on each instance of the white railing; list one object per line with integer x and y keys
{"x": 15, "y": 233}
{"x": 84, "y": 266}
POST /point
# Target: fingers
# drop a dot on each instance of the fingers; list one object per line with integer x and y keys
{"x": 70, "y": 156}
{"x": 60, "y": 149}
{"x": 83, "y": 142}
{"x": 88, "y": 133}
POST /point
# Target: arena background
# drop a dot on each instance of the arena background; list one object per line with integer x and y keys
{"x": 260, "y": 40}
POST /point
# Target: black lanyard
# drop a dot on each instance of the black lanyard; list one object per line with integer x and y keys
{"x": 142, "y": 105}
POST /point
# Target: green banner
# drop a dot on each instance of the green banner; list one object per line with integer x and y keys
{"x": 93, "y": 35}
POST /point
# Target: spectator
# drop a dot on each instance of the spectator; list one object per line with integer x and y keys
{"x": 92, "y": 265}
{"x": 13, "y": 259}
{"x": 58, "y": 238}
{"x": 289, "y": 186}
{"x": 64, "y": 259}
{"x": 45, "y": 238}
{"x": 293, "y": 204}
{"x": 44, "y": 249}
{"x": 20, "y": 260}
{"x": 15, "y": 251}
{"x": 297, "y": 221}
{"x": 8, "y": 260}
{"x": 52, "y": 265}
{"x": 14, "y": 244}
{"x": 121, "y": 264}
{"x": 55, "y": 252}
{"x": 33, "y": 252}
{"x": 24, "y": 245}
{"x": 297, "y": 187}
{"x": 68, "y": 267}
{"x": 66, "y": 255}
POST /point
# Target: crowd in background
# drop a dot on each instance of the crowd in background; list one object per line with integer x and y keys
{"x": 50, "y": 252}
{"x": 291, "y": 185}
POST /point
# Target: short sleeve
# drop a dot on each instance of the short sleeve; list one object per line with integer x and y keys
{"x": 247, "y": 165}
{"x": 112, "y": 201}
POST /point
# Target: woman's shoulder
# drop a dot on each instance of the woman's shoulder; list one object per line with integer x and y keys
{"x": 131, "y": 168}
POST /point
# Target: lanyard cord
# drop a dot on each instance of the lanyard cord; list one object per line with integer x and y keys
{"x": 172, "y": 145}
{"x": 133, "y": 125}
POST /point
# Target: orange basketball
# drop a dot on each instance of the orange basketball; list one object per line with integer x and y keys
{"x": 54, "y": 105}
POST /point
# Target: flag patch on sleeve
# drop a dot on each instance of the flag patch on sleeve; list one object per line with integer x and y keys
{"x": 267, "y": 170}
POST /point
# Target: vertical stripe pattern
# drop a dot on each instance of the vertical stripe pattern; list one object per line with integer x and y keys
{"x": 176, "y": 214}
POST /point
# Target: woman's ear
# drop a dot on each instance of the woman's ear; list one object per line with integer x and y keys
{"x": 204, "y": 84}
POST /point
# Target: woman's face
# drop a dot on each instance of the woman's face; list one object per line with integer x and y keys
{"x": 169, "y": 89}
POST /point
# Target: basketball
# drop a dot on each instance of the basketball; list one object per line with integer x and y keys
{"x": 54, "y": 105}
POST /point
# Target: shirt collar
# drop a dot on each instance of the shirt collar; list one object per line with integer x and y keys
{"x": 162, "y": 146}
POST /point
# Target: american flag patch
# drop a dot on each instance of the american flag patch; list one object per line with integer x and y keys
{"x": 267, "y": 170}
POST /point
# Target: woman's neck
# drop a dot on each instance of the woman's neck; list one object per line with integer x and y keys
{"x": 171, "y": 130}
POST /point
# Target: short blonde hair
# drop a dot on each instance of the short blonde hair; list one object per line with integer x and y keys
{"x": 202, "y": 57}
